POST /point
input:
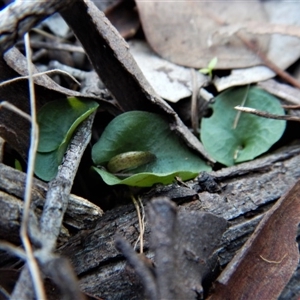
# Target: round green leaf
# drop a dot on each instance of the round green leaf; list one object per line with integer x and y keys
{"x": 57, "y": 122}
{"x": 46, "y": 165}
{"x": 58, "y": 119}
{"x": 145, "y": 179}
{"x": 252, "y": 136}
{"x": 144, "y": 131}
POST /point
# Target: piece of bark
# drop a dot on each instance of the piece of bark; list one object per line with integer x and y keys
{"x": 19, "y": 17}
{"x": 268, "y": 259}
{"x": 60, "y": 187}
{"x": 17, "y": 62}
{"x": 184, "y": 245}
{"x": 11, "y": 214}
{"x": 12, "y": 65}
{"x": 17, "y": 133}
{"x": 15, "y": 20}
{"x": 142, "y": 266}
{"x": 247, "y": 191}
{"x": 53, "y": 212}
{"x": 80, "y": 213}
{"x": 111, "y": 59}
{"x": 61, "y": 273}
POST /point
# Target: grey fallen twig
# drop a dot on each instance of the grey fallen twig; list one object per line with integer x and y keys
{"x": 266, "y": 114}
{"x": 184, "y": 243}
{"x": 20, "y": 16}
{"x": 56, "y": 205}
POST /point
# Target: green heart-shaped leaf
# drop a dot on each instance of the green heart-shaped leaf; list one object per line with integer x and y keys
{"x": 57, "y": 121}
{"x": 252, "y": 135}
{"x": 46, "y": 164}
{"x": 145, "y": 132}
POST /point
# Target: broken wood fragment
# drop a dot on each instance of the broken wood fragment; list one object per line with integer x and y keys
{"x": 247, "y": 191}
{"x": 267, "y": 261}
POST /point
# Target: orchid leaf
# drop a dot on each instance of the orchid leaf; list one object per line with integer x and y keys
{"x": 232, "y": 137}
{"x": 57, "y": 122}
{"x": 144, "y": 132}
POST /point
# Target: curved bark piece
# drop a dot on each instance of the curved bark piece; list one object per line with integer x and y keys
{"x": 111, "y": 59}
{"x": 245, "y": 193}
{"x": 20, "y": 16}
{"x": 269, "y": 258}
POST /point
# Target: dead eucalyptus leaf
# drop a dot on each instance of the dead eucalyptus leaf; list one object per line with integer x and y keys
{"x": 283, "y": 49}
{"x": 183, "y": 31}
{"x": 110, "y": 56}
{"x": 170, "y": 81}
{"x": 267, "y": 261}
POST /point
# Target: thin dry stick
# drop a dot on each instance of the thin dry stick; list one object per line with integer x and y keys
{"x": 143, "y": 213}
{"x": 48, "y": 35}
{"x": 4, "y": 293}
{"x": 261, "y": 28}
{"x": 8, "y": 247}
{"x": 194, "y": 103}
{"x": 15, "y": 109}
{"x": 238, "y": 115}
{"x": 39, "y": 74}
{"x": 56, "y": 204}
{"x": 55, "y": 46}
{"x": 2, "y": 143}
{"x": 291, "y": 106}
{"x": 273, "y": 261}
{"x": 31, "y": 261}
{"x": 265, "y": 114}
{"x": 140, "y": 238}
{"x": 267, "y": 62}
{"x": 143, "y": 224}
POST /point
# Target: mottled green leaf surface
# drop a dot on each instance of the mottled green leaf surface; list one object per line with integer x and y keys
{"x": 252, "y": 136}
{"x": 144, "y": 131}
{"x": 57, "y": 122}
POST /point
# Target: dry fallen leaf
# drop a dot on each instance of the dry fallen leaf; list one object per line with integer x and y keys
{"x": 283, "y": 49}
{"x": 268, "y": 259}
{"x": 183, "y": 31}
{"x": 118, "y": 70}
{"x": 125, "y": 18}
{"x": 170, "y": 81}
{"x": 191, "y": 33}
{"x": 281, "y": 90}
